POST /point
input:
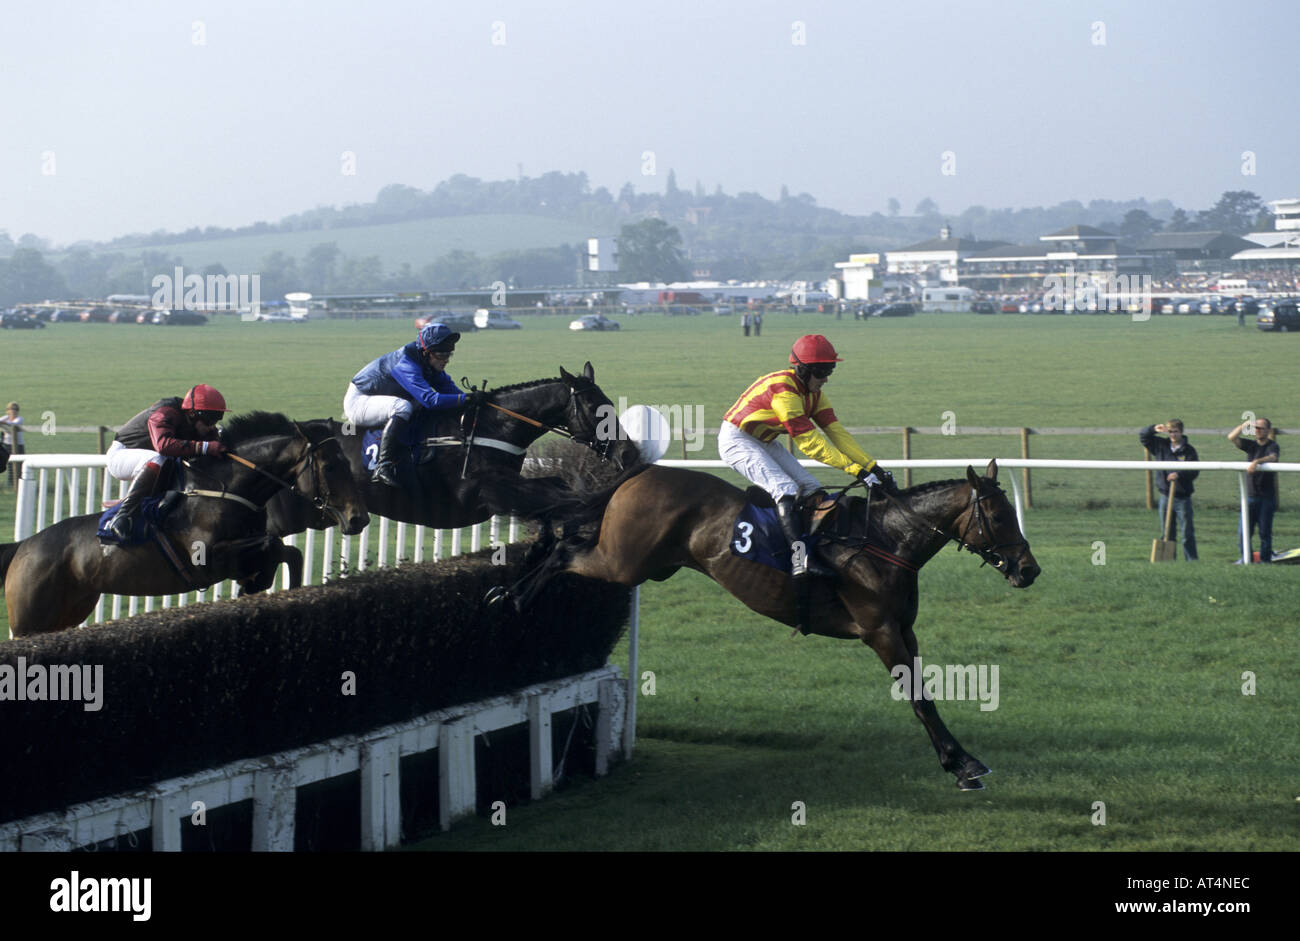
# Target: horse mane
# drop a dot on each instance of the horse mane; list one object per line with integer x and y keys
{"x": 524, "y": 385}
{"x": 922, "y": 489}
{"x": 252, "y": 425}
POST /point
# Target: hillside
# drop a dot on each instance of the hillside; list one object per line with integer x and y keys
{"x": 417, "y": 242}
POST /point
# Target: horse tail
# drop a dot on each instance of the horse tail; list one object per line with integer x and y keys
{"x": 587, "y": 503}
{"x": 7, "y": 553}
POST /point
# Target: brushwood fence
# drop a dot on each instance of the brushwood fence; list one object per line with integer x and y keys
{"x": 395, "y": 691}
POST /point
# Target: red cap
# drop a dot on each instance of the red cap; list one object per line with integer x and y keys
{"x": 204, "y": 398}
{"x": 813, "y": 348}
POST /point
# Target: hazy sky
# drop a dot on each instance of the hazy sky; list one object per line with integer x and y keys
{"x": 130, "y": 116}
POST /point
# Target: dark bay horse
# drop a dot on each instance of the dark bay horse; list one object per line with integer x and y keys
{"x": 456, "y": 488}
{"x": 664, "y": 519}
{"x": 53, "y": 579}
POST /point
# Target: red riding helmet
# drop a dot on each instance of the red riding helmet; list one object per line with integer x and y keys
{"x": 811, "y": 349}
{"x": 204, "y": 398}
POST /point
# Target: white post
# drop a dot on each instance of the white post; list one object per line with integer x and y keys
{"x": 633, "y": 678}
{"x": 25, "y": 510}
{"x": 166, "y": 824}
{"x": 456, "y": 777}
{"x": 1015, "y": 494}
{"x": 1245, "y": 520}
{"x": 381, "y": 795}
{"x": 275, "y": 798}
{"x": 541, "y": 772}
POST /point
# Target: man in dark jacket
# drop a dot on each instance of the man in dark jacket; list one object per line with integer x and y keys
{"x": 1261, "y": 486}
{"x": 1174, "y": 448}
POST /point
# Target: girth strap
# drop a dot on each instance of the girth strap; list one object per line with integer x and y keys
{"x": 222, "y": 495}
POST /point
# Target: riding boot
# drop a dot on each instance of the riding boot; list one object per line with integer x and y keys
{"x": 801, "y": 563}
{"x": 389, "y": 447}
{"x": 123, "y": 523}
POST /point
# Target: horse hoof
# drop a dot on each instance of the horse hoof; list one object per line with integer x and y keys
{"x": 976, "y": 769}
{"x": 496, "y": 597}
{"x": 970, "y": 784}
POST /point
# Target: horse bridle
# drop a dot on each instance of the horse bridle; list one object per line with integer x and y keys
{"x": 600, "y": 447}
{"x": 319, "y": 485}
{"x": 990, "y": 554}
{"x": 976, "y": 516}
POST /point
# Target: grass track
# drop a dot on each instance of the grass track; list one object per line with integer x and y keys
{"x": 1118, "y": 683}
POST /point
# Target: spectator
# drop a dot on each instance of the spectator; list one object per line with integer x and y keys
{"x": 745, "y": 322}
{"x": 1261, "y": 486}
{"x": 12, "y": 424}
{"x": 1174, "y": 448}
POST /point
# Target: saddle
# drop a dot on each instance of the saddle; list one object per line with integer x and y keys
{"x": 756, "y": 534}
{"x": 423, "y": 447}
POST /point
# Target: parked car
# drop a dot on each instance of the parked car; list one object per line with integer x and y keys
{"x": 457, "y": 323}
{"x": 1282, "y": 317}
{"x": 593, "y": 322}
{"x": 1247, "y": 306}
{"x": 19, "y": 320}
{"x": 486, "y": 319}
{"x": 721, "y": 309}
{"x": 983, "y": 307}
{"x": 179, "y": 318}
{"x": 1010, "y": 308}
{"x": 899, "y": 309}
{"x": 66, "y": 315}
{"x": 96, "y": 315}
{"x": 869, "y": 310}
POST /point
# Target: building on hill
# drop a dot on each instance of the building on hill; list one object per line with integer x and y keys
{"x": 1278, "y": 251}
{"x": 1177, "y": 253}
{"x": 936, "y": 261}
{"x": 1079, "y": 250}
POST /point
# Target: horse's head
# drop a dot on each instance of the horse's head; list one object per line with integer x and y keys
{"x": 591, "y": 418}
{"x": 988, "y": 527}
{"x": 322, "y": 475}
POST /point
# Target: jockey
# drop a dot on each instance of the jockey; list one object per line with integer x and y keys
{"x": 792, "y": 401}
{"x": 173, "y": 427}
{"x": 389, "y": 388}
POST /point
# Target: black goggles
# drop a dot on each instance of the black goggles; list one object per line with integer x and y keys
{"x": 208, "y": 418}
{"x": 821, "y": 370}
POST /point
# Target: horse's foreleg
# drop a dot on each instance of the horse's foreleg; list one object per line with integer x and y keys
{"x": 264, "y": 563}
{"x": 897, "y": 649}
{"x": 952, "y": 756}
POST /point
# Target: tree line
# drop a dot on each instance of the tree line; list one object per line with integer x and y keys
{"x": 664, "y": 236}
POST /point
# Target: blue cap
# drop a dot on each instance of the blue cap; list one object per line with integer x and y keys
{"x": 437, "y": 337}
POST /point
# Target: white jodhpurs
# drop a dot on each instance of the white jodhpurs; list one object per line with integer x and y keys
{"x": 770, "y": 466}
{"x": 370, "y": 411}
{"x": 124, "y": 462}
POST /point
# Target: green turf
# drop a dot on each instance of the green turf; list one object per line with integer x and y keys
{"x": 1119, "y": 683}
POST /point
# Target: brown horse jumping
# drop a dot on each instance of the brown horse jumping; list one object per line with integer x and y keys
{"x": 53, "y": 579}
{"x": 664, "y": 519}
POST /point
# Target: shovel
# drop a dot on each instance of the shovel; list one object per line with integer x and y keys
{"x": 1166, "y": 550}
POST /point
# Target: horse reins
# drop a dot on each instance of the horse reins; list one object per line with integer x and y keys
{"x": 601, "y": 448}
{"x": 321, "y": 502}
{"x": 989, "y": 554}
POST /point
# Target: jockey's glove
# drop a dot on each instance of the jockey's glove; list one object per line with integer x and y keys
{"x": 211, "y": 448}
{"x": 878, "y": 477}
{"x": 475, "y": 399}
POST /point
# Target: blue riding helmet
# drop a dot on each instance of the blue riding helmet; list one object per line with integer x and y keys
{"x": 437, "y": 338}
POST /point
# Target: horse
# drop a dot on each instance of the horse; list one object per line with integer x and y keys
{"x": 664, "y": 519}
{"x": 215, "y": 531}
{"x": 475, "y": 458}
